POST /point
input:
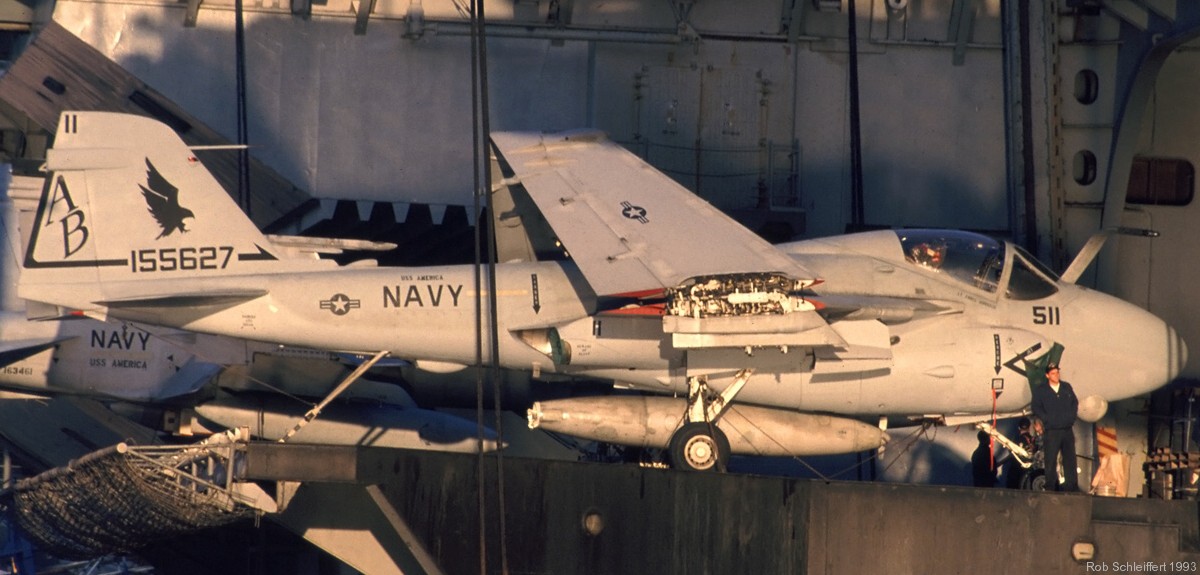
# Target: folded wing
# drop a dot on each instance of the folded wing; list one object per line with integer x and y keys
{"x": 629, "y": 227}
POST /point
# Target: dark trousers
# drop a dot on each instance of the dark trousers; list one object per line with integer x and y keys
{"x": 1056, "y": 441}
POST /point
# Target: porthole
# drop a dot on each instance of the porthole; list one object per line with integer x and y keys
{"x": 1087, "y": 86}
{"x": 1084, "y": 168}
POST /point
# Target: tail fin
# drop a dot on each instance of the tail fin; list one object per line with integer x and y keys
{"x": 126, "y": 202}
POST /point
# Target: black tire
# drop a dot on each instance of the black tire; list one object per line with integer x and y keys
{"x": 699, "y": 446}
{"x": 1034, "y": 481}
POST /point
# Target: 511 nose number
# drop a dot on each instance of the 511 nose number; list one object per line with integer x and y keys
{"x": 171, "y": 259}
{"x": 1046, "y": 315}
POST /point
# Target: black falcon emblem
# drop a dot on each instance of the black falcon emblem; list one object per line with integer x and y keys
{"x": 163, "y": 200}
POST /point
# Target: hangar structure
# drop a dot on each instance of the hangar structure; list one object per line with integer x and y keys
{"x": 1043, "y": 122}
{"x": 1022, "y": 121}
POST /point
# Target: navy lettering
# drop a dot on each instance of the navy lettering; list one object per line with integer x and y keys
{"x": 120, "y": 339}
{"x": 414, "y": 296}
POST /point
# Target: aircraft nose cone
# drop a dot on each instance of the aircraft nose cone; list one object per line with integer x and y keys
{"x": 1136, "y": 352}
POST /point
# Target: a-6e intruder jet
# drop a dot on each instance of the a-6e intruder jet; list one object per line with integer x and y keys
{"x": 663, "y": 293}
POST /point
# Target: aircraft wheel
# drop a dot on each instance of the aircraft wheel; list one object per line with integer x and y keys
{"x": 1035, "y": 481}
{"x": 699, "y": 446}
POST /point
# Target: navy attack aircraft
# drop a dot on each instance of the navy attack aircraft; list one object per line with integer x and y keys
{"x": 193, "y": 385}
{"x": 663, "y": 293}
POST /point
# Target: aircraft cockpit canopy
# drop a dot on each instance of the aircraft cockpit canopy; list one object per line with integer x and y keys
{"x": 978, "y": 260}
{"x": 1030, "y": 278}
{"x": 967, "y": 257}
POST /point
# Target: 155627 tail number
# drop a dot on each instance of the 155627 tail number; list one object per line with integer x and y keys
{"x": 180, "y": 259}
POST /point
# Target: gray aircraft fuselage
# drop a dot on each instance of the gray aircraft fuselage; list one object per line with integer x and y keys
{"x": 942, "y": 362}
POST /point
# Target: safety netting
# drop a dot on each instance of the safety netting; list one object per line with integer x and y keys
{"x": 124, "y": 497}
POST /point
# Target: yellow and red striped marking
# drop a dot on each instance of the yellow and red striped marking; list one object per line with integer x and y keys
{"x": 1106, "y": 440}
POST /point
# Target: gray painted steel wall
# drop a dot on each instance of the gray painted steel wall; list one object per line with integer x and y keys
{"x": 387, "y": 118}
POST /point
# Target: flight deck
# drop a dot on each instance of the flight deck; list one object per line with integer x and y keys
{"x": 402, "y": 511}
